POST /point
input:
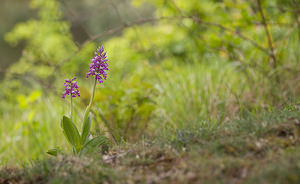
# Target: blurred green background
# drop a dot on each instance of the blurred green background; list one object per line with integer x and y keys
{"x": 174, "y": 64}
{"x": 86, "y": 17}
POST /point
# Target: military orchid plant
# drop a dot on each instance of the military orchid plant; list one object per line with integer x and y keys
{"x": 82, "y": 142}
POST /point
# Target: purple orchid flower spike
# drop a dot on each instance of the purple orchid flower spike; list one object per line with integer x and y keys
{"x": 71, "y": 88}
{"x": 99, "y": 66}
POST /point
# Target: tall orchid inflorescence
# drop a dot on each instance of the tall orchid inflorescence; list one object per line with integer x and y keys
{"x": 99, "y": 65}
{"x": 81, "y": 142}
{"x": 98, "y": 68}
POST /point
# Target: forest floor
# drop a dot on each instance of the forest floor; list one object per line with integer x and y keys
{"x": 255, "y": 148}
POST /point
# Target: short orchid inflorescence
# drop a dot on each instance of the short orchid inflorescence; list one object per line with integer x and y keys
{"x": 71, "y": 88}
{"x": 99, "y": 65}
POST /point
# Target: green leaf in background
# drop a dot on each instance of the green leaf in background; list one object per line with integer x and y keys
{"x": 55, "y": 151}
{"x": 71, "y": 132}
{"x": 86, "y": 129}
{"x": 92, "y": 145}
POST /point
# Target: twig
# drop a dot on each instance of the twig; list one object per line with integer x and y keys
{"x": 237, "y": 33}
{"x": 113, "y": 4}
{"x": 270, "y": 43}
{"x": 74, "y": 15}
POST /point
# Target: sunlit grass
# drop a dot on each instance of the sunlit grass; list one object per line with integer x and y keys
{"x": 30, "y": 130}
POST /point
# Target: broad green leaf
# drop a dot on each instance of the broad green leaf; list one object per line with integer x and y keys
{"x": 94, "y": 143}
{"x": 86, "y": 129}
{"x": 71, "y": 132}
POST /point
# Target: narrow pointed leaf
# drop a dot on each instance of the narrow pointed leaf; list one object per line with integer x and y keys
{"x": 86, "y": 129}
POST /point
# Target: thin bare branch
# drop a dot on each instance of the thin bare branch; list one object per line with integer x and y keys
{"x": 237, "y": 33}
{"x": 113, "y": 4}
{"x": 149, "y": 20}
{"x": 270, "y": 43}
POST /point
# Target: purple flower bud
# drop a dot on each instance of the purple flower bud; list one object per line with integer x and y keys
{"x": 98, "y": 65}
{"x": 71, "y": 88}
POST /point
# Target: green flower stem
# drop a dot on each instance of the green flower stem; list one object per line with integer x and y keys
{"x": 71, "y": 105}
{"x": 88, "y": 109}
